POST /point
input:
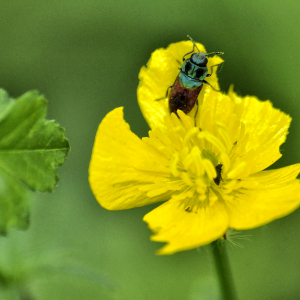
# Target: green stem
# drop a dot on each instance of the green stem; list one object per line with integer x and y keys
{"x": 223, "y": 271}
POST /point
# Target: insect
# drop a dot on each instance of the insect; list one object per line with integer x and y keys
{"x": 188, "y": 84}
{"x": 218, "y": 179}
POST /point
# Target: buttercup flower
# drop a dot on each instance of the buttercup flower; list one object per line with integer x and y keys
{"x": 210, "y": 175}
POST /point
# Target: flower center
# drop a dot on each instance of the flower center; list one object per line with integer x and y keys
{"x": 198, "y": 168}
{"x": 197, "y": 160}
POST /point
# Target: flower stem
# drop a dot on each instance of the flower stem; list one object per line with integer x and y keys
{"x": 223, "y": 271}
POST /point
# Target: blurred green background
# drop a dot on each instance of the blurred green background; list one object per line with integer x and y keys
{"x": 84, "y": 56}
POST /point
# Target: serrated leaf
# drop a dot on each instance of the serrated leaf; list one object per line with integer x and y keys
{"x": 31, "y": 149}
{"x": 5, "y": 103}
{"x": 14, "y": 204}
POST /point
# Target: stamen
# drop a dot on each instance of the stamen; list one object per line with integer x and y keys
{"x": 173, "y": 164}
{"x": 188, "y": 161}
{"x": 209, "y": 169}
{"x": 213, "y": 140}
{"x": 232, "y": 185}
{"x": 162, "y": 137}
{"x": 187, "y": 122}
{"x": 175, "y": 120}
{"x": 190, "y": 134}
{"x": 197, "y": 160}
{"x": 200, "y": 190}
{"x": 180, "y": 130}
{"x": 202, "y": 197}
{"x": 187, "y": 180}
{"x": 184, "y": 153}
{"x": 225, "y": 160}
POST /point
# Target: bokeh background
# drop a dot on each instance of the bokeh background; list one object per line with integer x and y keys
{"x": 84, "y": 56}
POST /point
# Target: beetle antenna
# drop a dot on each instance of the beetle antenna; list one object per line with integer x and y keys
{"x": 193, "y": 43}
{"x": 214, "y": 53}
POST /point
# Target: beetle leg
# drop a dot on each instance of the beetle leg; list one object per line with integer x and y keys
{"x": 168, "y": 90}
{"x": 196, "y": 113}
{"x": 166, "y": 94}
{"x": 211, "y": 86}
{"x": 211, "y": 69}
{"x": 187, "y": 54}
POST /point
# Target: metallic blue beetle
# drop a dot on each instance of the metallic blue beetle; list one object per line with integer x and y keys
{"x": 188, "y": 84}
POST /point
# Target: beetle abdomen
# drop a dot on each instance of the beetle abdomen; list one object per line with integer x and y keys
{"x": 182, "y": 98}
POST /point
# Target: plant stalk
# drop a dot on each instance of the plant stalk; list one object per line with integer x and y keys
{"x": 223, "y": 271}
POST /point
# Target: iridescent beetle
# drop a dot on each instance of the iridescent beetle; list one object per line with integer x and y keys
{"x": 188, "y": 84}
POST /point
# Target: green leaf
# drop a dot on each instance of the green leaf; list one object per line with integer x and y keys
{"x": 31, "y": 149}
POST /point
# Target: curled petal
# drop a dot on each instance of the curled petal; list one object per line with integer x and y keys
{"x": 266, "y": 196}
{"x": 160, "y": 73}
{"x": 183, "y": 228}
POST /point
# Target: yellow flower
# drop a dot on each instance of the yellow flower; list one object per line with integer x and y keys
{"x": 210, "y": 175}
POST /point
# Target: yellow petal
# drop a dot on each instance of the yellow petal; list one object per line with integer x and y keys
{"x": 266, "y": 127}
{"x": 160, "y": 73}
{"x": 185, "y": 229}
{"x": 122, "y": 166}
{"x": 218, "y": 109}
{"x": 267, "y": 196}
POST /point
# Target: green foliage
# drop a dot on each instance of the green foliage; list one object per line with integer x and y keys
{"x": 31, "y": 149}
